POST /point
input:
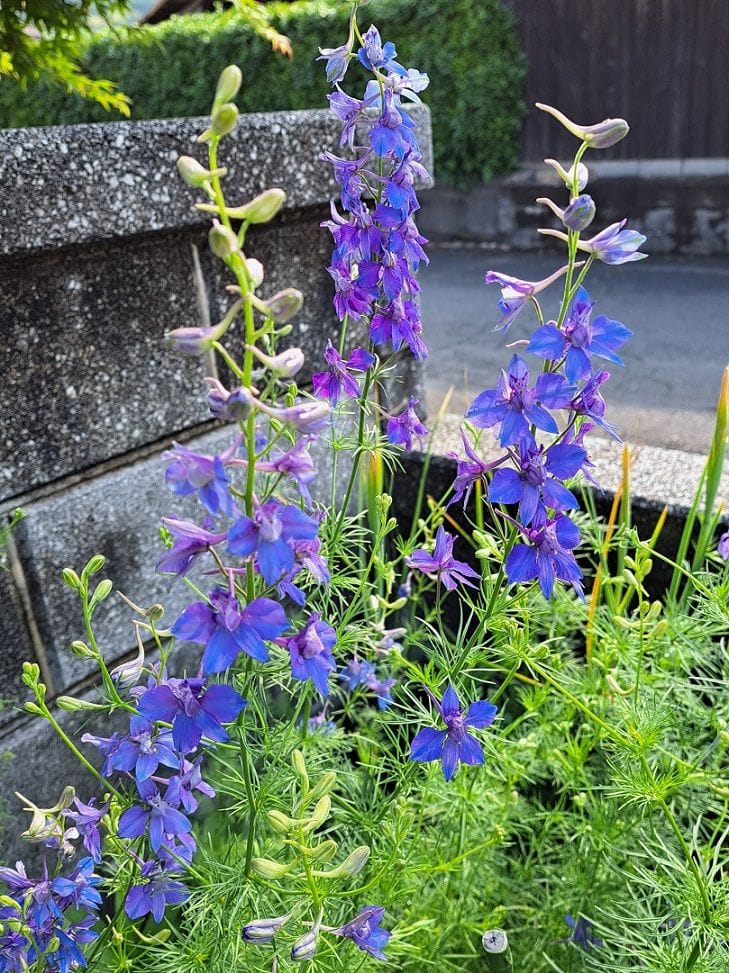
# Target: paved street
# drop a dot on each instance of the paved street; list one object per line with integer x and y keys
{"x": 678, "y": 310}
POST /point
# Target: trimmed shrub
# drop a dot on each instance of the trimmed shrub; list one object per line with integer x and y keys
{"x": 468, "y": 47}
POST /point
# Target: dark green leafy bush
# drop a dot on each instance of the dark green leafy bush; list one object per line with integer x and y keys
{"x": 468, "y": 47}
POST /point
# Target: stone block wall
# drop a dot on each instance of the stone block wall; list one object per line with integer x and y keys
{"x": 101, "y": 252}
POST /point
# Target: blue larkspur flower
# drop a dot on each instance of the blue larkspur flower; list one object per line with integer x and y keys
{"x": 513, "y": 405}
{"x": 546, "y": 554}
{"x": 404, "y": 429}
{"x": 536, "y": 481}
{"x": 226, "y": 629}
{"x": 366, "y": 932}
{"x": 157, "y": 889}
{"x": 311, "y": 652}
{"x": 194, "y": 709}
{"x": 189, "y": 472}
{"x": 579, "y": 339}
{"x": 454, "y": 744}
{"x": 269, "y": 534}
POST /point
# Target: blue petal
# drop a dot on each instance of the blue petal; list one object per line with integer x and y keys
{"x": 547, "y": 342}
{"x": 481, "y": 713}
{"x": 521, "y": 564}
{"x": 220, "y": 652}
{"x": 274, "y": 559}
{"x": 470, "y": 751}
{"x": 450, "y": 758}
{"x": 505, "y": 487}
{"x": 427, "y": 745}
{"x": 450, "y": 703}
{"x": 577, "y": 365}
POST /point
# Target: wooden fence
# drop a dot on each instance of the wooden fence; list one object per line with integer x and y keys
{"x": 662, "y": 64}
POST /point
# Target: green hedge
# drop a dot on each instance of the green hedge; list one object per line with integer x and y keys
{"x": 468, "y": 47}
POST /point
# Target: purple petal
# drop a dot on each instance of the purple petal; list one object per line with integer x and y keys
{"x": 481, "y": 714}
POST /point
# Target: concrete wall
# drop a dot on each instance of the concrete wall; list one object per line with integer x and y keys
{"x": 682, "y": 205}
{"x": 98, "y": 245}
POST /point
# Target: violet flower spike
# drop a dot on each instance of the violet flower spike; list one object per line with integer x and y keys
{"x": 455, "y": 744}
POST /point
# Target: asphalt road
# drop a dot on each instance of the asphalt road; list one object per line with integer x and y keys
{"x": 677, "y": 308}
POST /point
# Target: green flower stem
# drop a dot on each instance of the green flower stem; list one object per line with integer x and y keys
{"x": 47, "y": 715}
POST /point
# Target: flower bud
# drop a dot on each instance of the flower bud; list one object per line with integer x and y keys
{"x": 319, "y": 815}
{"x": 280, "y": 822}
{"x": 95, "y": 565}
{"x": 263, "y": 930}
{"x": 70, "y": 578}
{"x": 567, "y": 176}
{"x": 299, "y": 765}
{"x": 267, "y": 868}
{"x": 101, "y": 592}
{"x": 228, "y": 87}
{"x": 283, "y": 305}
{"x": 352, "y": 864}
{"x": 286, "y": 364}
{"x": 233, "y": 406}
{"x": 323, "y": 852}
{"x": 33, "y": 709}
{"x": 71, "y": 705}
{"x": 261, "y": 208}
{"x": 198, "y": 341}
{"x": 223, "y": 242}
{"x": 305, "y": 947}
{"x": 325, "y": 784}
{"x": 195, "y": 174}
{"x": 82, "y": 650}
{"x": 224, "y": 119}
{"x": 600, "y": 136}
{"x": 580, "y": 213}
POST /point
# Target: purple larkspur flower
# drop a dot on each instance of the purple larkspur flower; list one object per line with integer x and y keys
{"x": 68, "y": 940}
{"x": 579, "y": 339}
{"x": 536, "y": 481}
{"x": 581, "y": 934}
{"x": 163, "y": 818}
{"x": 189, "y": 472}
{"x": 516, "y": 292}
{"x": 226, "y": 630}
{"x": 194, "y": 709}
{"x": 454, "y": 744}
{"x": 513, "y": 404}
{"x": 547, "y": 554}
{"x": 382, "y": 691}
{"x": 311, "y": 653}
{"x": 182, "y": 786}
{"x": 366, "y": 932}
{"x": 337, "y": 61}
{"x": 722, "y": 548}
{"x": 155, "y": 892}
{"x": 402, "y": 430}
{"x": 189, "y": 542}
{"x": 337, "y": 380}
{"x": 613, "y": 245}
{"x": 590, "y": 403}
{"x": 469, "y": 471}
{"x": 140, "y": 751}
{"x": 87, "y": 818}
{"x": 296, "y": 463}
{"x": 232, "y": 405}
{"x": 399, "y": 323}
{"x": 441, "y": 562}
{"x": 393, "y": 134}
{"x": 351, "y": 299}
{"x": 357, "y": 672}
{"x": 270, "y": 534}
